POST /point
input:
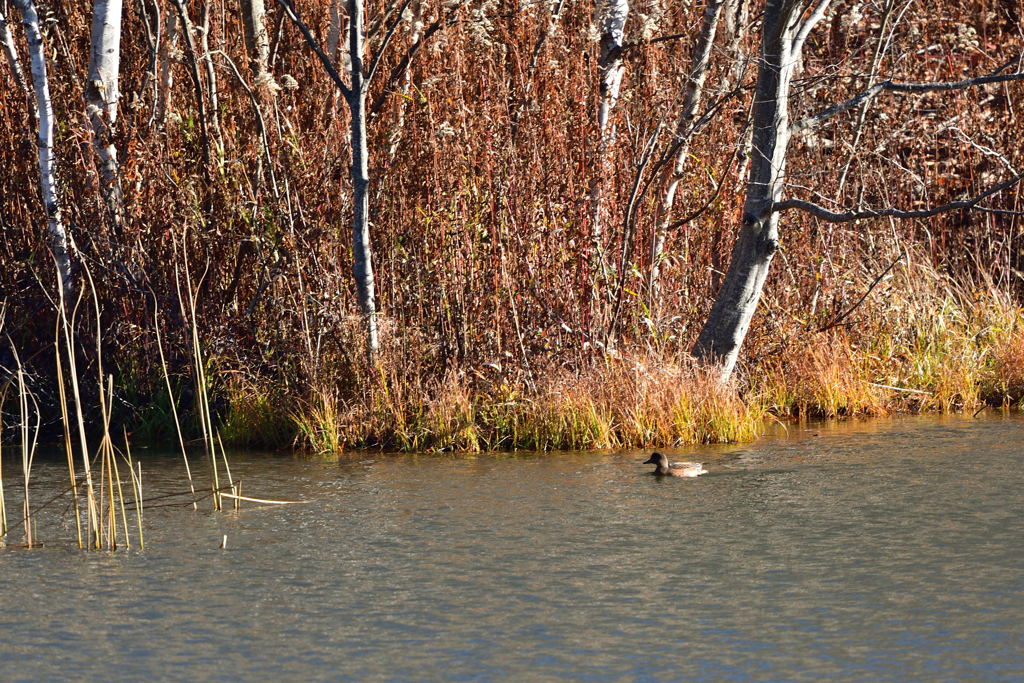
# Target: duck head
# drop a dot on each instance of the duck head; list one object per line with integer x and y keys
{"x": 657, "y": 459}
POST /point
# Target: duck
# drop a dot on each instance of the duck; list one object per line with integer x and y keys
{"x": 677, "y": 469}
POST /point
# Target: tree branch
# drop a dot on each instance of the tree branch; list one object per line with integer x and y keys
{"x": 836, "y": 321}
{"x": 816, "y": 120}
{"x": 808, "y": 25}
{"x": 442, "y": 22}
{"x": 998, "y": 212}
{"x": 708, "y": 204}
{"x": 847, "y": 216}
{"x": 289, "y": 9}
{"x": 384, "y": 43}
{"x": 893, "y": 86}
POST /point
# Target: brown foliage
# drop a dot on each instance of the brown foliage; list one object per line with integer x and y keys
{"x": 480, "y": 218}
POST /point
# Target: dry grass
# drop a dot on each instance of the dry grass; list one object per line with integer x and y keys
{"x": 256, "y": 415}
{"x": 485, "y": 253}
{"x": 624, "y": 402}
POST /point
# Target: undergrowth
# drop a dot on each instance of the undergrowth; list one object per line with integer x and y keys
{"x": 920, "y": 343}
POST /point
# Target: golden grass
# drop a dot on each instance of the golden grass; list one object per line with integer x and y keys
{"x": 624, "y": 402}
{"x": 318, "y": 423}
{"x": 922, "y": 342}
{"x": 825, "y": 378}
{"x": 255, "y": 415}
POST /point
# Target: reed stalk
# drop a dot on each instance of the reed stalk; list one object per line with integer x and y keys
{"x": 120, "y": 498}
{"x": 173, "y": 402}
{"x": 199, "y": 372}
{"x": 3, "y": 400}
{"x": 111, "y": 503}
{"x": 28, "y": 444}
{"x": 227, "y": 470}
{"x": 66, "y": 423}
{"x": 3, "y": 502}
{"x": 105, "y": 390}
{"x": 93, "y": 527}
{"x": 138, "y": 506}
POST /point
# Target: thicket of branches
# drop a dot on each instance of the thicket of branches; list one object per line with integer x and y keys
{"x": 489, "y": 173}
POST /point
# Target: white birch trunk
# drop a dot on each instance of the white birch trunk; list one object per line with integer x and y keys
{"x": 723, "y": 334}
{"x": 415, "y": 32}
{"x": 337, "y": 40}
{"x": 334, "y": 30}
{"x": 257, "y": 41}
{"x": 211, "y": 81}
{"x": 612, "y": 17}
{"x": 101, "y": 94}
{"x": 362, "y": 262}
{"x": 684, "y": 135}
{"x": 60, "y": 244}
{"x": 11, "y": 52}
{"x": 737, "y": 15}
{"x": 168, "y": 54}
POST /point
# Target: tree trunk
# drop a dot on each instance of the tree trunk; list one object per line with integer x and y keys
{"x": 167, "y": 53}
{"x": 11, "y": 52}
{"x": 334, "y": 30}
{"x": 257, "y": 42}
{"x": 211, "y": 81}
{"x": 60, "y": 244}
{"x": 720, "y": 340}
{"x": 362, "y": 263}
{"x": 612, "y": 17}
{"x": 415, "y": 33}
{"x": 197, "y": 82}
{"x": 101, "y": 99}
{"x": 684, "y": 135}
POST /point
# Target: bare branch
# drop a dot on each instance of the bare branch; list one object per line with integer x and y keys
{"x": 847, "y": 216}
{"x": 442, "y": 22}
{"x": 998, "y": 212}
{"x": 816, "y": 120}
{"x": 987, "y": 151}
{"x": 954, "y": 85}
{"x": 808, "y": 25}
{"x": 710, "y": 202}
{"x": 838, "y": 320}
{"x": 289, "y": 9}
{"x": 384, "y": 43}
{"x": 893, "y": 86}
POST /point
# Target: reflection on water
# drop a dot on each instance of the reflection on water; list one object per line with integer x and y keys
{"x": 886, "y": 550}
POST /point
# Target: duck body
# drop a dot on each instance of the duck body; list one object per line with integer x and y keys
{"x": 662, "y": 467}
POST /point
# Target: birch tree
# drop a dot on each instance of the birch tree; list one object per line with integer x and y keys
{"x": 334, "y": 29}
{"x": 416, "y": 32}
{"x": 254, "y": 25}
{"x": 355, "y": 93}
{"x": 60, "y": 243}
{"x": 211, "y": 77}
{"x": 11, "y": 53}
{"x": 362, "y": 259}
{"x": 612, "y": 15}
{"x": 167, "y": 54}
{"x": 783, "y": 33}
{"x": 785, "y": 27}
{"x": 685, "y": 130}
{"x": 101, "y": 95}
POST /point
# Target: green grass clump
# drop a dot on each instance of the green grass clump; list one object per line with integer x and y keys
{"x": 255, "y": 417}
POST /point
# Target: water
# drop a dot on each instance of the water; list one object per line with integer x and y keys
{"x": 889, "y": 550}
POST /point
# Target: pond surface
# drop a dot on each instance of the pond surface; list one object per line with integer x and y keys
{"x": 889, "y": 550}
